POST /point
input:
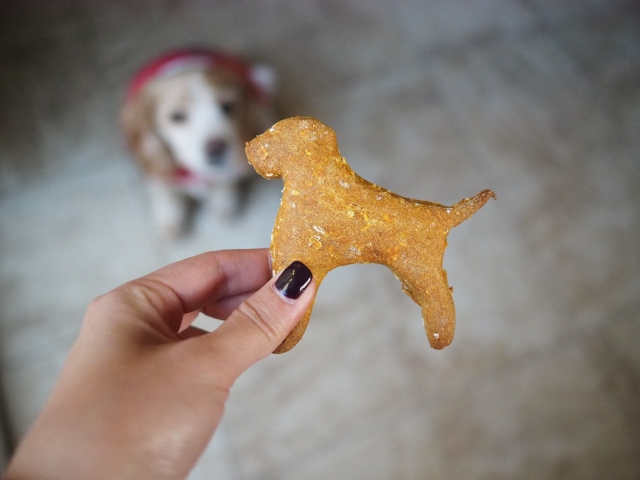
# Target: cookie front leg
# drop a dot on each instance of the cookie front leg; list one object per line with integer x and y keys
{"x": 296, "y": 334}
{"x": 280, "y": 262}
{"x": 283, "y": 253}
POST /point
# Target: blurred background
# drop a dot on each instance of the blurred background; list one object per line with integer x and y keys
{"x": 538, "y": 100}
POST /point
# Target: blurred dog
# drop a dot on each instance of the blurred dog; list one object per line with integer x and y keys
{"x": 186, "y": 118}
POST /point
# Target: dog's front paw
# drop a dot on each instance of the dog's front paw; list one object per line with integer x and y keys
{"x": 172, "y": 231}
{"x": 224, "y": 201}
{"x": 169, "y": 209}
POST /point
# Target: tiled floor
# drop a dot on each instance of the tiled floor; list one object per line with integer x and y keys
{"x": 536, "y": 99}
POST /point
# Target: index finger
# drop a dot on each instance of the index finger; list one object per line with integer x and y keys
{"x": 206, "y": 278}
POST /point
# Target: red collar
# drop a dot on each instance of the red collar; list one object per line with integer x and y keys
{"x": 185, "y": 177}
{"x": 198, "y": 58}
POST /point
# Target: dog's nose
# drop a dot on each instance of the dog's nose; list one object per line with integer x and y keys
{"x": 216, "y": 150}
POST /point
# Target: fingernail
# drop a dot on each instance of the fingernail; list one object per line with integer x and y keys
{"x": 293, "y": 280}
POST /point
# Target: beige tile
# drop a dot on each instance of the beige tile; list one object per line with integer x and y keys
{"x": 554, "y": 11}
{"x": 623, "y": 337}
{"x": 3, "y": 456}
{"x": 583, "y": 257}
{"x": 622, "y": 103}
{"x": 67, "y": 123}
{"x": 549, "y": 417}
{"x": 615, "y": 349}
{"x": 525, "y": 106}
{"x": 443, "y": 22}
{"x": 337, "y": 43}
{"x": 399, "y": 132}
{"x": 396, "y": 445}
{"x": 581, "y": 225}
{"x": 605, "y": 47}
{"x": 27, "y": 387}
{"x": 62, "y": 244}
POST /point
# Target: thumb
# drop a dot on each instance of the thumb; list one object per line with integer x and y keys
{"x": 261, "y": 323}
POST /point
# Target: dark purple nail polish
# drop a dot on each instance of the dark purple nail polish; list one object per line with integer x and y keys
{"x": 294, "y": 280}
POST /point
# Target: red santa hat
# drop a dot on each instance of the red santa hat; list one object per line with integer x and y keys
{"x": 179, "y": 61}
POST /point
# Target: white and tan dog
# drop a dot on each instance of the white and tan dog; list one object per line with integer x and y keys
{"x": 186, "y": 118}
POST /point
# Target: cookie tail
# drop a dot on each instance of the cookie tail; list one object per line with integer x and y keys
{"x": 467, "y": 207}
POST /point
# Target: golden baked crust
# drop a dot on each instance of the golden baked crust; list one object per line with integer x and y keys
{"x": 330, "y": 217}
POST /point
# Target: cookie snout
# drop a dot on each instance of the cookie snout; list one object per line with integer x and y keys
{"x": 261, "y": 158}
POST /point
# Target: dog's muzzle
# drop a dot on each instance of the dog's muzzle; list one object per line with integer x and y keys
{"x": 216, "y": 151}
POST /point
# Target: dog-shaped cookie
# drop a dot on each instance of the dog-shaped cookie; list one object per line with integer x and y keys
{"x": 330, "y": 217}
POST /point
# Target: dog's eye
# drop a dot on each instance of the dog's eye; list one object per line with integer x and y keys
{"x": 178, "y": 116}
{"x": 228, "y": 108}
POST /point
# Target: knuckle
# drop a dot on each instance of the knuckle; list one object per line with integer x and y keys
{"x": 147, "y": 294}
{"x": 257, "y": 316}
{"x": 143, "y": 299}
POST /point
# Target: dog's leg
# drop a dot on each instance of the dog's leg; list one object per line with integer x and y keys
{"x": 224, "y": 200}
{"x": 169, "y": 209}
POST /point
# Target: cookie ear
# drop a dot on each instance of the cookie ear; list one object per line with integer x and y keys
{"x": 139, "y": 129}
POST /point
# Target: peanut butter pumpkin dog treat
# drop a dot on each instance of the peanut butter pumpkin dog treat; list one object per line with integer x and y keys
{"x": 330, "y": 217}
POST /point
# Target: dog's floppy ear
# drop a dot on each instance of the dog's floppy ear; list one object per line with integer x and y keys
{"x": 148, "y": 148}
{"x": 264, "y": 76}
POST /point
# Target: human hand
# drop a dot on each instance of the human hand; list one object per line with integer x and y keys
{"x": 142, "y": 391}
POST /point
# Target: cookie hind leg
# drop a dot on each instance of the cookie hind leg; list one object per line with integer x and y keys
{"x": 438, "y": 314}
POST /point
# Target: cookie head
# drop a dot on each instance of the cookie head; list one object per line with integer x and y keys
{"x": 289, "y": 143}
